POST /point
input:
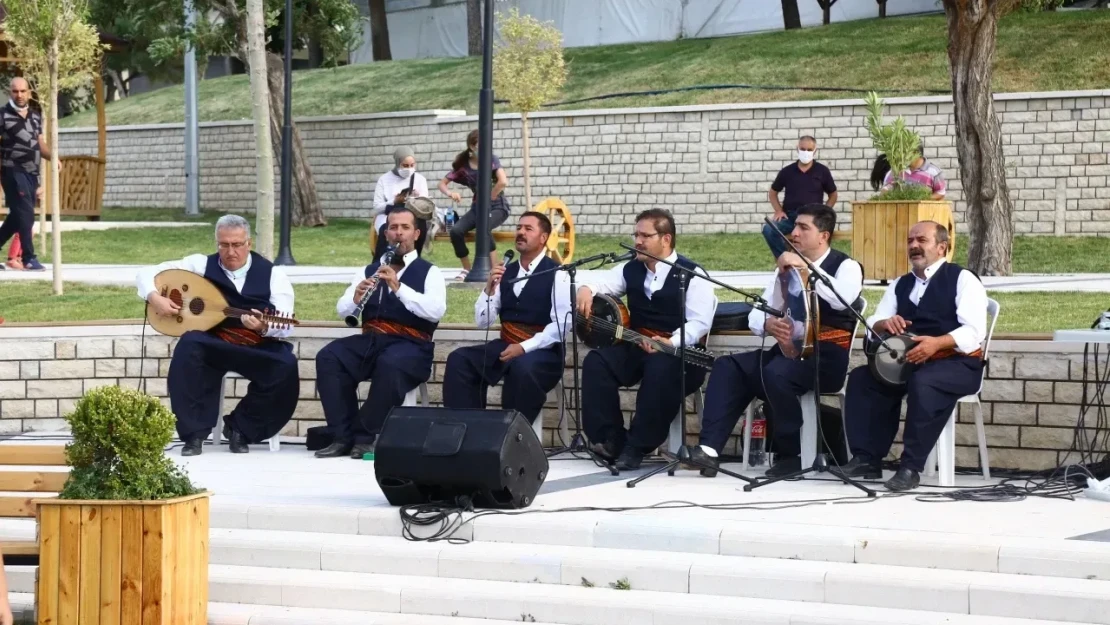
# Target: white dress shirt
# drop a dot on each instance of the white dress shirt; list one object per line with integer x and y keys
{"x": 389, "y": 185}
{"x": 281, "y": 289}
{"x": 701, "y": 300}
{"x": 430, "y": 305}
{"x": 971, "y": 306}
{"x": 848, "y": 282}
{"x": 489, "y": 306}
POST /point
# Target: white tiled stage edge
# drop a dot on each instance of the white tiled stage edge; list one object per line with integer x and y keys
{"x": 294, "y": 536}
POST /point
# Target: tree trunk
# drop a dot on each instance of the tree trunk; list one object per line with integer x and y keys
{"x": 972, "y": 31}
{"x": 263, "y": 146}
{"x": 791, "y": 18}
{"x": 826, "y": 10}
{"x": 55, "y": 179}
{"x": 527, "y": 161}
{"x": 379, "y": 31}
{"x": 474, "y": 27}
{"x": 882, "y": 8}
{"x": 306, "y": 210}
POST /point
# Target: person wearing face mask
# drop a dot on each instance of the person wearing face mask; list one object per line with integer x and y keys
{"x": 393, "y": 188}
{"x": 945, "y": 307}
{"x": 805, "y": 181}
{"x": 738, "y": 379}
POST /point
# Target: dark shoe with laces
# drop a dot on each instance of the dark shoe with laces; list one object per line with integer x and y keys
{"x": 335, "y": 450}
{"x": 607, "y": 451}
{"x": 905, "y": 479}
{"x": 237, "y": 443}
{"x": 706, "y": 465}
{"x": 361, "y": 449}
{"x": 193, "y": 447}
{"x": 860, "y": 469}
{"x": 630, "y": 459}
{"x": 785, "y": 465}
{"x": 33, "y": 265}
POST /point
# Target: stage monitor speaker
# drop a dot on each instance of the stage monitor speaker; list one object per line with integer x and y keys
{"x": 436, "y": 455}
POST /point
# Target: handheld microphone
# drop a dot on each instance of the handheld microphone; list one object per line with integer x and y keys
{"x": 509, "y": 254}
{"x": 352, "y": 320}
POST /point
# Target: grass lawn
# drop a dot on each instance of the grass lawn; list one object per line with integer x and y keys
{"x": 345, "y": 242}
{"x": 1036, "y": 52}
{"x": 32, "y": 301}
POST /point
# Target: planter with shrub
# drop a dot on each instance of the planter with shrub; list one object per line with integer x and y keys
{"x": 126, "y": 541}
{"x": 880, "y": 225}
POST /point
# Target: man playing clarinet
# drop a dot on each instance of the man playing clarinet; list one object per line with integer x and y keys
{"x": 403, "y": 297}
{"x": 534, "y": 312}
{"x": 944, "y": 307}
{"x": 656, "y": 311}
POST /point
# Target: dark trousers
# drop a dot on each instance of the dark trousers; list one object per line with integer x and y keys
{"x": 19, "y": 196}
{"x": 871, "y": 408}
{"x": 200, "y": 362}
{"x": 774, "y": 241}
{"x": 526, "y": 380}
{"x": 379, "y": 249}
{"x": 498, "y": 213}
{"x": 608, "y": 369}
{"x": 394, "y": 366}
{"x": 738, "y": 379}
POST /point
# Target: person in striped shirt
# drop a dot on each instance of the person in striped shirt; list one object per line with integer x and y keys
{"x": 922, "y": 171}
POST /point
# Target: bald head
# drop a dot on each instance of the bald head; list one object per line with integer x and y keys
{"x": 20, "y": 91}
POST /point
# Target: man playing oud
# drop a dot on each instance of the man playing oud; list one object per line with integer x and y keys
{"x": 770, "y": 375}
{"x": 244, "y": 345}
{"x": 944, "y": 307}
{"x": 407, "y": 298}
{"x": 529, "y": 353}
{"x": 656, "y": 311}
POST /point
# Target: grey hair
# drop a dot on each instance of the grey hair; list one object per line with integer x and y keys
{"x": 232, "y": 222}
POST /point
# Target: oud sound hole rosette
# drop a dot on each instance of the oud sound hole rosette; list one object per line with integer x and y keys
{"x": 175, "y": 297}
{"x": 196, "y": 305}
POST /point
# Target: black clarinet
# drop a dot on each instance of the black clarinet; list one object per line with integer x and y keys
{"x": 354, "y": 319}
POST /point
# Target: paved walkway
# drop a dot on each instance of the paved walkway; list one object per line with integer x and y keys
{"x": 70, "y": 226}
{"x": 305, "y": 274}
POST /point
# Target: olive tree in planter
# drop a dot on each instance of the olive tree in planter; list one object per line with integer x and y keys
{"x": 126, "y": 541}
{"x": 880, "y": 225}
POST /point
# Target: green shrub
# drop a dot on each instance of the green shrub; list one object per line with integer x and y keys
{"x": 119, "y": 439}
{"x": 909, "y": 192}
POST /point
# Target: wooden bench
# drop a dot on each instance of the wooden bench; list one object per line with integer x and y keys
{"x": 82, "y": 183}
{"x": 560, "y": 245}
{"x": 26, "y": 485}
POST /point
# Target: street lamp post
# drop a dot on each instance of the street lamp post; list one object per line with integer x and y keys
{"x": 479, "y": 271}
{"x": 285, "y": 255}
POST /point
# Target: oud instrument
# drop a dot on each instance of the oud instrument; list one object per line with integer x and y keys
{"x": 607, "y": 325}
{"x": 203, "y": 306}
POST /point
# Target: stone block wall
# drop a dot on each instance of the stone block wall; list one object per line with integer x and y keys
{"x": 712, "y": 165}
{"x": 1030, "y": 399}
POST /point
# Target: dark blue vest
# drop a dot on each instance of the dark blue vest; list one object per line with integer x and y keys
{"x": 663, "y": 312}
{"x": 533, "y": 307}
{"x": 935, "y": 313}
{"x": 256, "y": 289}
{"x": 839, "y": 319}
{"x": 391, "y": 308}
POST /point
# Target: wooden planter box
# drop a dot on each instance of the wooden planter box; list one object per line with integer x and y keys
{"x": 123, "y": 562}
{"x": 880, "y": 230}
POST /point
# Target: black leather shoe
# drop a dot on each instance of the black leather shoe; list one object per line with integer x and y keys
{"x": 607, "y": 451}
{"x": 334, "y": 450}
{"x": 630, "y": 459}
{"x": 859, "y": 468}
{"x": 193, "y": 447}
{"x": 237, "y": 443}
{"x": 706, "y": 465}
{"x": 785, "y": 465}
{"x": 361, "y": 449}
{"x": 904, "y": 479}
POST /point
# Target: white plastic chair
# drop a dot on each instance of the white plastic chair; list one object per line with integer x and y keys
{"x": 421, "y": 392}
{"x": 676, "y": 438}
{"x": 218, "y": 433}
{"x": 942, "y": 458}
{"x": 809, "y": 410}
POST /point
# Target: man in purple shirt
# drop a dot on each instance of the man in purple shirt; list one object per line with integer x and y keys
{"x": 805, "y": 181}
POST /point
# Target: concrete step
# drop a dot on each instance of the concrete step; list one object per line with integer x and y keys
{"x": 656, "y": 532}
{"x": 568, "y": 604}
{"x": 874, "y": 585}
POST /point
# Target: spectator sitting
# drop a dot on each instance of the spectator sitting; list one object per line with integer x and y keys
{"x": 393, "y": 189}
{"x": 922, "y": 171}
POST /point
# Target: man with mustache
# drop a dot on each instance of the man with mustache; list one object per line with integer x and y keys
{"x": 528, "y": 355}
{"x": 656, "y": 311}
{"x": 738, "y": 379}
{"x": 944, "y": 306}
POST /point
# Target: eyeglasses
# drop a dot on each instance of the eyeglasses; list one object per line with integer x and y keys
{"x": 237, "y": 245}
{"x": 636, "y": 236}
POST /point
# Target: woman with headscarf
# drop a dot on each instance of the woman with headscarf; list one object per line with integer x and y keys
{"x": 394, "y": 187}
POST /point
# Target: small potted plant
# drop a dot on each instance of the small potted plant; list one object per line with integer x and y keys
{"x": 880, "y": 225}
{"x": 126, "y": 541}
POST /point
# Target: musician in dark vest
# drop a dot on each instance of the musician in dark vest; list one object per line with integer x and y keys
{"x": 407, "y": 298}
{"x": 770, "y": 375}
{"x": 655, "y": 310}
{"x": 944, "y": 307}
{"x": 243, "y": 345}
{"x": 528, "y": 355}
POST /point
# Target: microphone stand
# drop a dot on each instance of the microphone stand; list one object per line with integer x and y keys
{"x": 683, "y": 456}
{"x": 821, "y": 459}
{"x": 578, "y": 441}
